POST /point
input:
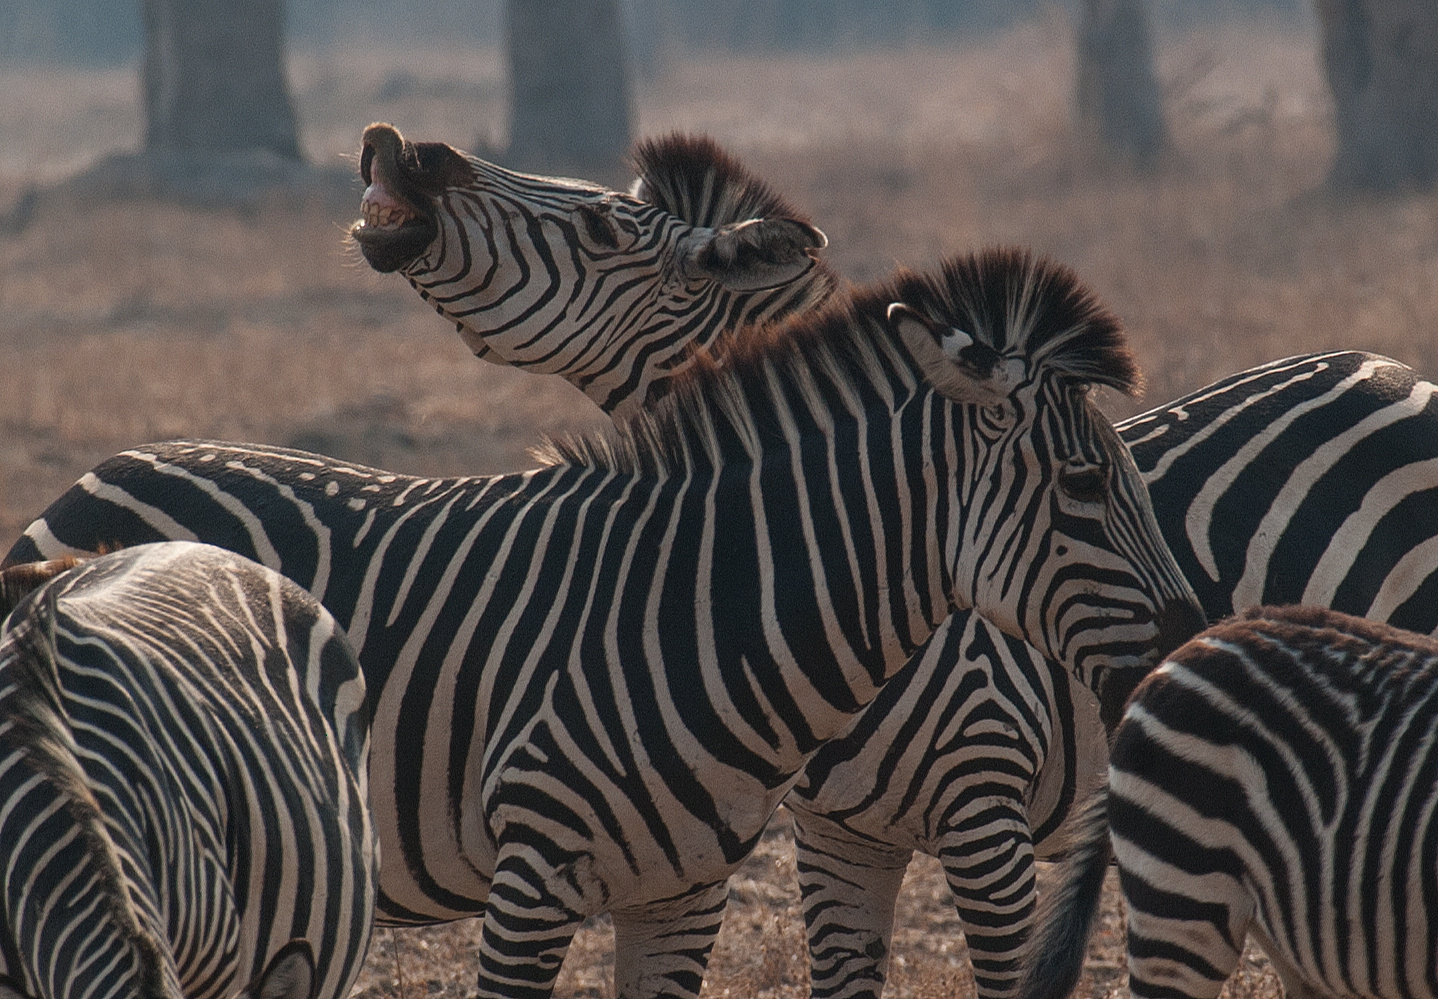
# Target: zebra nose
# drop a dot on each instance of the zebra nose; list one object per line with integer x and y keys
{"x": 1178, "y": 621}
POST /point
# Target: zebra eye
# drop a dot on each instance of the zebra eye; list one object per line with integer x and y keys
{"x": 598, "y": 226}
{"x": 1084, "y": 483}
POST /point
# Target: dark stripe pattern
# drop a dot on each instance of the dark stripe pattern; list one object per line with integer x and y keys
{"x": 595, "y": 681}
{"x": 1276, "y": 778}
{"x": 612, "y": 291}
{"x": 183, "y": 742}
{"x": 1314, "y": 477}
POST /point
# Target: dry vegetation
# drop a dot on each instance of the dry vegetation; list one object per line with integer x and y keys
{"x": 127, "y": 322}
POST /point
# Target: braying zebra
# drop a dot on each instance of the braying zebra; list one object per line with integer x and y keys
{"x": 1313, "y": 478}
{"x": 770, "y": 546}
{"x": 183, "y": 804}
{"x": 1277, "y": 777}
{"x": 613, "y": 291}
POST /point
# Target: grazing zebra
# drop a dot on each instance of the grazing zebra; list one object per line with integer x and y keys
{"x": 1313, "y": 477}
{"x": 771, "y": 546}
{"x": 1277, "y": 777}
{"x": 183, "y": 804}
{"x": 612, "y": 291}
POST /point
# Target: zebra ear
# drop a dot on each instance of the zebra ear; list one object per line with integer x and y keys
{"x": 958, "y": 366}
{"x": 752, "y": 255}
{"x": 289, "y": 975}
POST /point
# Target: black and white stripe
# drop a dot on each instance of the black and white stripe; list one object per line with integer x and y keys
{"x": 612, "y": 291}
{"x": 1277, "y": 777}
{"x": 1312, "y": 477}
{"x": 595, "y": 681}
{"x": 183, "y": 803}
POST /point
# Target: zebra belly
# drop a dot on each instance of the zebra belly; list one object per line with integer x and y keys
{"x": 597, "y": 851}
{"x": 979, "y": 724}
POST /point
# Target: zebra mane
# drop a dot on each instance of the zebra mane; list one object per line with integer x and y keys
{"x": 693, "y": 177}
{"x": 38, "y": 724}
{"x": 1022, "y": 306}
{"x": 17, "y": 581}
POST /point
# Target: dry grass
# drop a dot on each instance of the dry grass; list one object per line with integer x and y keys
{"x": 127, "y": 322}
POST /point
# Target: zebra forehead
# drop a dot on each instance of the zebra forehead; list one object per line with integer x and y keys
{"x": 694, "y": 178}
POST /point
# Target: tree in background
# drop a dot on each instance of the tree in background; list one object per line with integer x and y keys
{"x": 572, "y": 107}
{"x": 1381, "y": 57}
{"x": 214, "y": 78}
{"x": 1120, "y": 105}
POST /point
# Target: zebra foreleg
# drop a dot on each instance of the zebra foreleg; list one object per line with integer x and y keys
{"x": 989, "y": 864}
{"x": 661, "y": 950}
{"x": 849, "y": 889}
{"x": 528, "y": 926}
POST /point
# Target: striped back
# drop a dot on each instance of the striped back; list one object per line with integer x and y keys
{"x": 612, "y": 291}
{"x": 183, "y": 758}
{"x": 1311, "y": 479}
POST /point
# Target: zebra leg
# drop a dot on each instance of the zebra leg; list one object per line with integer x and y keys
{"x": 662, "y": 949}
{"x": 848, "y": 887}
{"x": 1185, "y": 938}
{"x": 989, "y": 864}
{"x": 530, "y": 918}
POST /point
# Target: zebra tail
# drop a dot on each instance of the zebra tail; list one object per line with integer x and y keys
{"x": 1065, "y": 918}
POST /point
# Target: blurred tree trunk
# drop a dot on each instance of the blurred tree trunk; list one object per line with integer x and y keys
{"x": 214, "y": 77}
{"x": 1382, "y": 62}
{"x": 572, "y": 103}
{"x": 1120, "y": 105}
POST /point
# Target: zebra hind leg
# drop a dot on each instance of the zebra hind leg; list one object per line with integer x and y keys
{"x": 849, "y": 890}
{"x": 662, "y": 949}
{"x": 1183, "y": 941}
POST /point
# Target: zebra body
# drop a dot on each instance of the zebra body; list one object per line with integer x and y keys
{"x": 183, "y": 740}
{"x": 1311, "y": 477}
{"x": 612, "y": 291}
{"x": 593, "y": 682}
{"x": 1277, "y": 777}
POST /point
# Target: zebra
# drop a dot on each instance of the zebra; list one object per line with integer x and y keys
{"x": 1275, "y": 779}
{"x": 613, "y": 291}
{"x": 981, "y": 763}
{"x": 771, "y": 545}
{"x": 183, "y": 800}
{"x": 1310, "y": 478}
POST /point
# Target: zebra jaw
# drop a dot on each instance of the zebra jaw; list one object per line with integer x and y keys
{"x": 396, "y": 224}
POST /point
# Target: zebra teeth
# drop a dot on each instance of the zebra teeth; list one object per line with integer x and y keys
{"x": 380, "y": 210}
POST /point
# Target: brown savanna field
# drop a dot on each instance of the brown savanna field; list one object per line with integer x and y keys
{"x": 126, "y": 321}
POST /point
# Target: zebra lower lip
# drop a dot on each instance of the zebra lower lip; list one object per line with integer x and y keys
{"x": 388, "y": 244}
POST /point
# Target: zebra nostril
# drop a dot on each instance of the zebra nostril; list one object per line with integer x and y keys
{"x": 1178, "y": 621}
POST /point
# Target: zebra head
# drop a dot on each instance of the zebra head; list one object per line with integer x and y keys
{"x": 1059, "y": 544}
{"x": 613, "y": 291}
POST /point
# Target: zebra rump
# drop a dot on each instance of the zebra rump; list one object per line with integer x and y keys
{"x": 1277, "y": 777}
{"x": 183, "y": 795}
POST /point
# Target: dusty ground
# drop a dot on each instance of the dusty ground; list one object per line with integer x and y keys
{"x": 123, "y": 322}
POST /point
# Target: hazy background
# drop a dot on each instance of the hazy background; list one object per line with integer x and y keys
{"x": 906, "y": 136}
